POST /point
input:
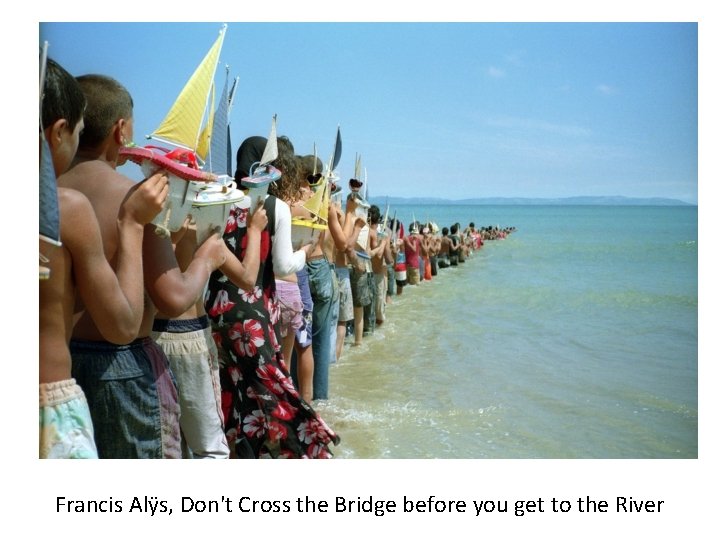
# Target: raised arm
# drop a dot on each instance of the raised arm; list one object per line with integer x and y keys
{"x": 378, "y": 250}
{"x": 171, "y": 290}
{"x": 337, "y": 231}
{"x": 244, "y": 273}
{"x": 388, "y": 255}
{"x": 285, "y": 261}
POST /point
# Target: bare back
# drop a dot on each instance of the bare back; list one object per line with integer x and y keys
{"x": 57, "y": 296}
{"x": 106, "y": 189}
{"x": 81, "y": 243}
{"x": 445, "y": 245}
{"x": 184, "y": 251}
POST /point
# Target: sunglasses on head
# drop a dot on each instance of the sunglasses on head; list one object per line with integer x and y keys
{"x": 313, "y": 179}
{"x": 355, "y": 183}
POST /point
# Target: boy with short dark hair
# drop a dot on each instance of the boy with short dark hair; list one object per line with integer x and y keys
{"x": 130, "y": 389}
{"x": 78, "y": 268}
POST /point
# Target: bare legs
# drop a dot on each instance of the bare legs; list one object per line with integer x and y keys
{"x": 341, "y": 330}
{"x": 358, "y": 312}
{"x": 305, "y": 368}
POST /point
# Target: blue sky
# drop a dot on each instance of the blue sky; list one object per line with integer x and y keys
{"x": 455, "y": 110}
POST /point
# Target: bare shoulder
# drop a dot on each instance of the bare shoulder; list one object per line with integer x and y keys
{"x": 72, "y": 201}
{"x": 76, "y": 213}
{"x": 97, "y": 180}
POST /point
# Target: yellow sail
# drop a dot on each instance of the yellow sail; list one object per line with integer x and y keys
{"x": 317, "y": 205}
{"x": 183, "y": 124}
{"x": 325, "y": 202}
{"x": 203, "y": 146}
{"x": 303, "y": 230}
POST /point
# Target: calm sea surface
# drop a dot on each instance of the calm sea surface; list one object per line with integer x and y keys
{"x": 576, "y": 337}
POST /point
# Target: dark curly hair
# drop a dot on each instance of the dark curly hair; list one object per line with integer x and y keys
{"x": 288, "y": 187}
{"x": 251, "y": 151}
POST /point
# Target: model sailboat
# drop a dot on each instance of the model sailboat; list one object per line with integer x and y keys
{"x": 306, "y": 228}
{"x": 188, "y": 129}
{"x": 262, "y": 173}
{"x": 361, "y": 211}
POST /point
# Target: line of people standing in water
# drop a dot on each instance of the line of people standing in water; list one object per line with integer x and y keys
{"x": 407, "y": 259}
{"x": 165, "y": 347}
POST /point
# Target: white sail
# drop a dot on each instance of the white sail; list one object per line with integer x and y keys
{"x": 271, "y": 150}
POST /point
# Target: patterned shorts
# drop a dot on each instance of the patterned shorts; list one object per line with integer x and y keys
{"x": 360, "y": 286}
{"x": 346, "y": 299}
{"x": 66, "y": 429}
{"x": 304, "y": 334}
{"x": 291, "y": 306}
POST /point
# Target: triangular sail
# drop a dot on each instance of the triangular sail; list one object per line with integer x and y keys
{"x": 358, "y": 168}
{"x": 271, "y": 150}
{"x": 203, "y": 147}
{"x": 228, "y": 145}
{"x": 183, "y": 124}
{"x": 325, "y": 203}
{"x": 337, "y": 153}
{"x": 365, "y": 185}
{"x": 317, "y": 205}
{"x": 338, "y": 149}
{"x": 216, "y": 161}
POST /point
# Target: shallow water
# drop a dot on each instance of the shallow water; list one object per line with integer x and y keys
{"x": 575, "y": 337}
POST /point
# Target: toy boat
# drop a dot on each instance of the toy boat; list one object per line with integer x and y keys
{"x": 262, "y": 174}
{"x": 197, "y": 186}
{"x": 304, "y": 230}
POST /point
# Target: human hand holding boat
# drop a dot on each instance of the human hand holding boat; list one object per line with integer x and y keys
{"x": 258, "y": 217}
{"x": 212, "y": 250}
{"x": 145, "y": 199}
{"x": 351, "y": 205}
{"x": 310, "y": 246}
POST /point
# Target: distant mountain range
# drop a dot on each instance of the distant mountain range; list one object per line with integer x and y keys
{"x": 566, "y": 201}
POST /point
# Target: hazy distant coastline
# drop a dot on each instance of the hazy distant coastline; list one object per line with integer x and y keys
{"x": 566, "y": 201}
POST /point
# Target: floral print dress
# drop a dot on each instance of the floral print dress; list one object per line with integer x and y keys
{"x": 263, "y": 413}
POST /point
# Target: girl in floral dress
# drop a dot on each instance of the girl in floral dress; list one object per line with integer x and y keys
{"x": 264, "y": 414}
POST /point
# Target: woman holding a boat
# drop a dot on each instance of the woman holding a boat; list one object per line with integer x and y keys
{"x": 263, "y": 412}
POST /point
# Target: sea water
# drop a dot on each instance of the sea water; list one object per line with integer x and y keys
{"x": 575, "y": 337}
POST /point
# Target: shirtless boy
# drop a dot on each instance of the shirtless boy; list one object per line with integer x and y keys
{"x": 114, "y": 299}
{"x": 130, "y": 389}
